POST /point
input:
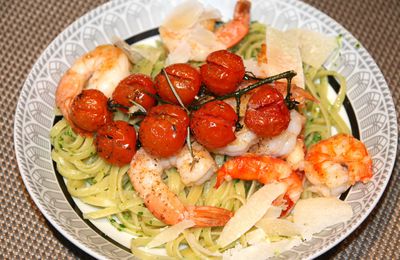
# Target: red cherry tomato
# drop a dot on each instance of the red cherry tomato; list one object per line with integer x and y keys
{"x": 135, "y": 88}
{"x": 267, "y": 114}
{"x": 223, "y": 72}
{"x": 163, "y": 131}
{"x": 89, "y": 110}
{"x": 213, "y": 124}
{"x": 184, "y": 78}
{"x": 116, "y": 142}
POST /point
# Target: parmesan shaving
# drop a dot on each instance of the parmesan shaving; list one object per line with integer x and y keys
{"x": 170, "y": 233}
{"x": 255, "y": 236}
{"x": 316, "y": 214}
{"x": 279, "y": 227}
{"x": 184, "y": 16}
{"x": 283, "y": 54}
{"x": 250, "y": 213}
{"x": 315, "y": 47}
{"x": 261, "y": 250}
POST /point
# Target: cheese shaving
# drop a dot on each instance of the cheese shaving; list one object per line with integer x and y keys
{"x": 250, "y": 213}
{"x": 170, "y": 233}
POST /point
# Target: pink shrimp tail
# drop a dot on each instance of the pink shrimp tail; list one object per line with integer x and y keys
{"x": 207, "y": 216}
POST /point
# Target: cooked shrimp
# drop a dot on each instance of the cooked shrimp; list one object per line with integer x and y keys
{"x": 244, "y": 99}
{"x": 188, "y": 31}
{"x": 233, "y": 31}
{"x": 245, "y": 138}
{"x": 284, "y": 143}
{"x": 296, "y": 157}
{"x": 197, "y": 169}
{"x": 336, "y": 163}
{"x": 100, "y": 69}
{"x": 264, "y": 169}
{"x": 193, "y": 170}
{"x": 298, "y": 94}
{"x": 145, "y": 175}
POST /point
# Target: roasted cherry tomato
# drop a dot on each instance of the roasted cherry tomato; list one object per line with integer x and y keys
{"x": 116, "y": 142}
{"x": 163, "y": 131}
{"x": 223, "y": 72}
{"x": 184, "y": 78}
{"x": 267, "y": 114}
{"x": 213, "y": 124}
{"x": 135, "y": 88}
{"x": 89, "y": 110}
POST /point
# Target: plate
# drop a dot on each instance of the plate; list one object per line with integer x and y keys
{"x": 370, "y": 109}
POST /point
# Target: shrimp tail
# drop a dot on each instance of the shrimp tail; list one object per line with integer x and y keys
{"x": 233, "y": 31}
{"x": 207, "y": 216}
{"x": 220, "y": 177}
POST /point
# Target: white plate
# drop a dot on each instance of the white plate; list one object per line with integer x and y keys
{"x": 368, "y": 94}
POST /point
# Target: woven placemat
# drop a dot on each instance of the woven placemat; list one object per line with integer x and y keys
{"x": 28, "y": 26}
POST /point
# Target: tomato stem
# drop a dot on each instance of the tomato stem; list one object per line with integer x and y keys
{"x": 172, "y": 87}
{"x": 290, "y": 103}
{"x": 237, "y": 94}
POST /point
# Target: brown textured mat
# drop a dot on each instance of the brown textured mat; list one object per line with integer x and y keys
{"x": 28, "y": 26}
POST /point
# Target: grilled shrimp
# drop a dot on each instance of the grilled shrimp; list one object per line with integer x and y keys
{"x": 245, "y": 138}
{"x": 145, "y": 175}
{"x": 296, "y": 157}
{"x": 336, "y": 163}
{"x": 284, "y": 143}
{"x": 264, "y": 169}
{"x": 100, "y": 69}
{"x": 188, "y": 32}
{"x": 197, "y": 169}
{"x": 233, "y": 31}
{"x": 281, "y": 145}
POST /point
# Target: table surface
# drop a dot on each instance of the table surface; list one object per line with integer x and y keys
{"x": 28, "y": 26}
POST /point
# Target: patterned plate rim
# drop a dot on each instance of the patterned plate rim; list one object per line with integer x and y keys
{"x": 19, "y": 116}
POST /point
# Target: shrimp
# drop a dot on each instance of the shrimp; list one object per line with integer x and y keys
{"x": 100, "y": 69}
{"x": 296, "y": 157}
{"x": 336, "y": 163}
{"x": 188, "y": 31}
{"x": 264, "y": 169}
{"x": 145, "y": 175}
{"x": 196, "y": 169}
{"x": 281, "y": 145}
{"x": 245, "y": 138}
{"x": 284, "y": 143}
{"x": 233, "y": 31}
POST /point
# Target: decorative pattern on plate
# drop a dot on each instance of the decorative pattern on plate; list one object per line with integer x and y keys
{"x": 367, "y": 92}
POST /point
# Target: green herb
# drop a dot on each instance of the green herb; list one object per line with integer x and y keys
{"x": 140, "y": 213}
{"x": 172, "y": 87}
{"x": 316, "y": 138}
{"x": 358, "y": 45}
{"x": 91, "y": 181}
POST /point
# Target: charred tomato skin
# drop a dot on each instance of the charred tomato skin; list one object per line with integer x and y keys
{"x": 116, "y": 142}
{"x": 213, "y": 125}
{"x": 89, "y": 110}
{"x": 267, "y": 114}
{"x": 223, "y": 72}
{"x": 163, "y": 131}
{"x": 135, "y": 87}
{"x": 185, "y": 79}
